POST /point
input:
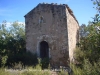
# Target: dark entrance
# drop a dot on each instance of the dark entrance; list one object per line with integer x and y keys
{"x": 44, "y": 50}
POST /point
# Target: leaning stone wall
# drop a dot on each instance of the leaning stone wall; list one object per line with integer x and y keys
{"x": 51, "y": 28}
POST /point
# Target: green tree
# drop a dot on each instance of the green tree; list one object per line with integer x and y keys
{"x": 12, "y": 40}
{"x": 90, "y": 38}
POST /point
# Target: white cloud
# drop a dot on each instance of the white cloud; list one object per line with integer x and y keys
{"x": 8, "y": 24}
{"x": 21, "y": 23}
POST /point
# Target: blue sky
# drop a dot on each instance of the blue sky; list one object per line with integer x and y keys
{"x": 12, "y": 10}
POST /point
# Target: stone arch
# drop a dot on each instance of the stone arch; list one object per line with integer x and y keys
{"x": 44, "y": 50}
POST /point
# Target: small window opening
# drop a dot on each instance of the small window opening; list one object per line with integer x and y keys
{"x": 41, "y": 19}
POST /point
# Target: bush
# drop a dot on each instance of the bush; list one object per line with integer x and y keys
{"x": 3, "y": 72}
{"x": 4, "y": 60}
{"x": 86, "y": 66}
{"x": 87, "y": 69}
{"x": 45, "y": 63}
{"x": 62, "y": 73}
{"x": 27, "y": 59}
{"x": 79, "y": 56}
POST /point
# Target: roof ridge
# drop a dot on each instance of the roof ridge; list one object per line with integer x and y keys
{"x": 69, "y": 10}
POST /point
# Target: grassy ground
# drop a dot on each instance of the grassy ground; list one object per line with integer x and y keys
{"x": 31, "y": 71}
{"x": 87, "y": 69}
{"x": 24, "y": 72}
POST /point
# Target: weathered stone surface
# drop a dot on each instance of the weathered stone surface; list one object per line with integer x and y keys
{"x": 56, "y": 25}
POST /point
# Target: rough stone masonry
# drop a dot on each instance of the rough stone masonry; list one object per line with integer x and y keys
{"x": 52, "y": 31}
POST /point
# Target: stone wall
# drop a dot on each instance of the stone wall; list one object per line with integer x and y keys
{"x": 73, "y": 27}
{"x": 54, "y": 24}
{"x": 48, "y": 23}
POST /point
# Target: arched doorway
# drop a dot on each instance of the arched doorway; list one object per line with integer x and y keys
{"x": 44, "y": 50}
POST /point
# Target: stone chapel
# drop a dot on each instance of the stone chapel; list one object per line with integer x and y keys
{"x": 52, "y": 31}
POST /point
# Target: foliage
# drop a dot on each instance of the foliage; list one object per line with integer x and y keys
{"x": 3, "y": 72}
{"x": 90, "y": 37}
{"x": 26, "y": 59}
{"x": 62, "y": 72}
{"x": 87, "y": 68}
{"x": 29, "y": 71}
{"x": 12, "y": 39}
{"x": 18, "y": 65}
{"x": 87, "y": 55}
{"x": 36, "y": 73}
{"x": 12, "y": 45}
{"x": 97, "y": 5}
{"x": 4, "y": 60}
{"x": 45, "y": 63}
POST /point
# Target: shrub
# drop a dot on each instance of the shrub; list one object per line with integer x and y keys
{"x": 44, "y": 63}
{"x": 26, "y": 58}
{"x": 3, "y": 72}
{"x": 88, "y": 65}
{"x": 36, "y": 73}
{"x": 62, "y": 73}
{"x": 4, "y": 60}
